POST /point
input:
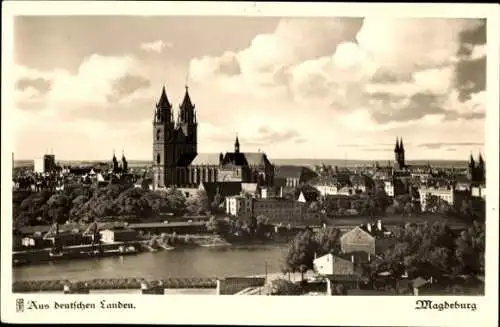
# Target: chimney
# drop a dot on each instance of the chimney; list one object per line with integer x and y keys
{"x": 369, "y": 227}
{"x": 379, "y": 224}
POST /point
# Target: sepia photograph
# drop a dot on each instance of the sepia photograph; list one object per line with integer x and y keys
{"x": 265, "y": 155}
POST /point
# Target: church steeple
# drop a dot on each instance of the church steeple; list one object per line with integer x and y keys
{"x": 187, "y": 113}
{"x": 115, "y": 162}
{"x": 472, "y": 162}
{"x": 396, "y": 148}
{"x": 237, "y": 145}
{"x": 401, "y": 146}
{"x": 163, "y": 110}
{"x": 124, "y": 162}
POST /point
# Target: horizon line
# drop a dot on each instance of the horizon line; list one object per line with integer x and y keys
{"x": 296, "y": 158}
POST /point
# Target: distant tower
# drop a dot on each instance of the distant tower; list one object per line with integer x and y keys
{"x": 124, "y": 162}
{"x": 115, "y": 163}
{"x": 237, "y": 145}
{"x": 402, "y": 162}
{"x": 481, "y": 171}
{"x": 472, "y": 168}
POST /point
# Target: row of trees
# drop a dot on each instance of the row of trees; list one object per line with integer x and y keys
{"x": 423, "y": 250}
{"x": 242, "y": 229}
{"x": 86, "y": 203}
{"x": 433, "y": 250}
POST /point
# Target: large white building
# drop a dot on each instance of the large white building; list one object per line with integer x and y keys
{"x": 446, "y": 194}
{"x": 479, "y": 191}
{"x": 39, "y": 165}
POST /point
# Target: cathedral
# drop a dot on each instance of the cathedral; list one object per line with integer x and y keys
{"x": 175, "y": 148}
{"x": 399, "y": 155}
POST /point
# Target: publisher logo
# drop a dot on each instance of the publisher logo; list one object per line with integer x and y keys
{"x": 19, "y": 305}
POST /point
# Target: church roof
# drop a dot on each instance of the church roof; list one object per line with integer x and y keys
{"x": 288, "y": 171}
{"x": 206, "y": 159}
{"x": 245, "y": 159}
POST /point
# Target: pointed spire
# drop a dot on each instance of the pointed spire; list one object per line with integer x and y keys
{"x": 401, "y": 146}
{"x": 237, "y": 145}
{"x": 163, "y": 102}
{"x": 186, "y": 103}
{"x": 472, "y": 162}
{"x": 123, "y": 154}
{"x": 396, "y": 148}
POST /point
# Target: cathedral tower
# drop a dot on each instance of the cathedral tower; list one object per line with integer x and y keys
{"x": 187, "y": 126}
{"x": 399, "y": 154}
{"x": 174, "y": 143}
{"x": 163, "y": 143}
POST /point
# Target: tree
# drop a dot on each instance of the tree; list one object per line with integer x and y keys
{"x": 431, "y": 203}
{"x": 301, "y": 250}
{"x": 328, "y": 241}
{"x": 199, "y": 204}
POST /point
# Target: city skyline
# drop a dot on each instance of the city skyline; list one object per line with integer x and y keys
{"x": 347, "y": 90}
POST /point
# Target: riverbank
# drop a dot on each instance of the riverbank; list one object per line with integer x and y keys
{"x": 154, "y": 243}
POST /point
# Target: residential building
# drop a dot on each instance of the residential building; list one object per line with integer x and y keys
{"x": 446, "y": 194}
{"x": 118, "y": 235}
{"x": 239, "y": 205}
{"x": 279, "y": 210}
{"x": 389, "y": 188}
{"x": 330, "y": 264}
{"x": 479, "y": 191}
{"x": 357, "y": 240}
{"x": 293, "y": 175}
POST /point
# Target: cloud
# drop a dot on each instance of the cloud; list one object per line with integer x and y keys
{"x": 39, "y": 85}
{"x": 367, "y": 67}
{"x": 156, "y": 46}
{"x": 127, "y": 85}
{"x": 104, "y": 88}
{"x": 263, "y": 136}
{"x": 439, "y": 145}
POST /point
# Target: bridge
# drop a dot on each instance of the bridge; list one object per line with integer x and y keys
{"x": 228, "y": 285}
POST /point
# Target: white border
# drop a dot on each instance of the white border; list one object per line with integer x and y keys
{"x": 251, "y": 309}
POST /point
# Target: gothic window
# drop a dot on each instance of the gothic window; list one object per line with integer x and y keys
{"x": 158, "y": 158}
{"x": 158, "y": 132}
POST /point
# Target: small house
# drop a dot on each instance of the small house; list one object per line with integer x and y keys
{"x": 118, "y": 235}
{"x": 357, "y": 240}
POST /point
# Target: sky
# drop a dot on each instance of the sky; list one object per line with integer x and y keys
{"x": 291, "y": 87}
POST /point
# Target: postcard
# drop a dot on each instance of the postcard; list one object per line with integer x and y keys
{"x": 161, "y": 157}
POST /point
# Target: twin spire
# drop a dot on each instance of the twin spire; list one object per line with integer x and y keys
{"x": 164, "y": 111}
{"x": 399, "y": 145}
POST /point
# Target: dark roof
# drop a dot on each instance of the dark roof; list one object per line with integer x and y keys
{"x": 288, "y": 171}
{"x": 224, "y": 188}
{"x": 245, "y": 159}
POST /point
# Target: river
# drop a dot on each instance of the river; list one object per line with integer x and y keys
{"x": 192, "y": 262}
